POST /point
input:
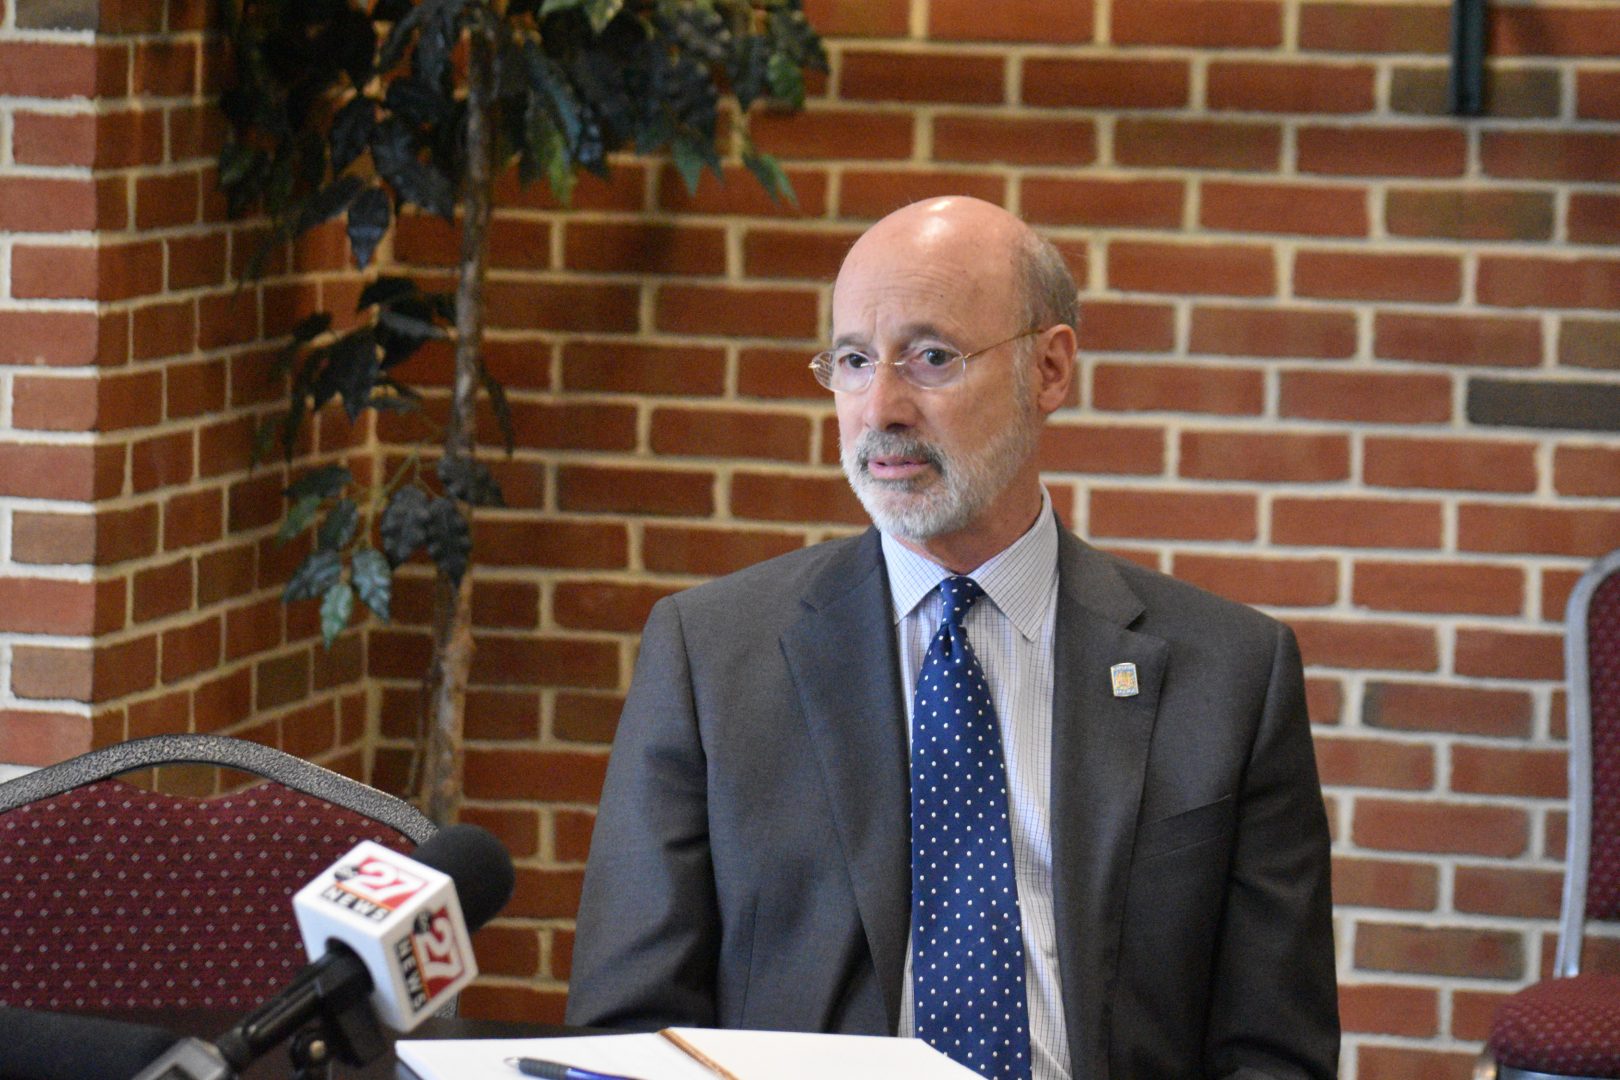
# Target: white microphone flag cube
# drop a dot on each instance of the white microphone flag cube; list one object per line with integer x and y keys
{"x": 403, "y": 920}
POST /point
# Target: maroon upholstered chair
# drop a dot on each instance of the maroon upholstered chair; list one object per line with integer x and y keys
{"x": 116, "y": 898}
{"x": 1569, "y": 1025}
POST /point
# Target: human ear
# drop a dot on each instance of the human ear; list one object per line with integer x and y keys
{"x": 1056, "y": 351}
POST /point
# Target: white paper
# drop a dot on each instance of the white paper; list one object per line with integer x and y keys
{"x": 750, "y": 1055}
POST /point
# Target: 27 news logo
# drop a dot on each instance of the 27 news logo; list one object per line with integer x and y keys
{"x": 429, "y": 958}
{"x": 372, "y": 887}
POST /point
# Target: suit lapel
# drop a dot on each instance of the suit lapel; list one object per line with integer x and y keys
{"x": 843, "y": 659}
{"x": 1099, "y": 754}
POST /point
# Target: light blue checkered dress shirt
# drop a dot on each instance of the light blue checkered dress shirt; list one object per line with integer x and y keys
{"x": 1012, "y": 637}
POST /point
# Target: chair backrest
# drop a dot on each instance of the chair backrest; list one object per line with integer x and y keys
{"x": 1592, "y": 663}
{"x": 117, "y": 898}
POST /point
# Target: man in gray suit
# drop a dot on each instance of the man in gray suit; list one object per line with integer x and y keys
{"x": 1153, "y": 820}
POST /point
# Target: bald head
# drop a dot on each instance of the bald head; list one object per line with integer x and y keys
{"x": 987, "y": 254}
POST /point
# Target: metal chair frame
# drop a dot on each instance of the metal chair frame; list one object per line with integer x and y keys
{"x": 1578, "y": 849}
{"x": 266, "y": 761}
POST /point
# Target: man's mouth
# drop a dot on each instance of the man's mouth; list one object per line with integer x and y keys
{"x": 896, "y": 466}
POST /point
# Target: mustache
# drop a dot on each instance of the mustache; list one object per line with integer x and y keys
{"x": 873, "y": 444}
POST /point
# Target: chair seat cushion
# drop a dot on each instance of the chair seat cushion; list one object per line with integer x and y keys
{"x": 1568, "y": 1027}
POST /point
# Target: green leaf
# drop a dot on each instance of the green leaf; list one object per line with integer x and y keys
{"x": 470, "y": 481}
{"x": 368, "y": 221}
{"x": 404, "y": 524}
{"x": 353, "y": 369}
{"x": 385, "y": 290}
{"x": 599, "y": 12}
{"x": 688, "y": 162}
{"x": 351, "y": 131}
{"x": 373, "y": 580}
{"x": 409, "y": 326}
{"x": 317, "y": 573}
{"x": 768, "y": 171}
{"x": 311, "y": 326}
{"x": 321, "y": 483}
{"x": 264, "y": 435}
{"x": 338, "y": 528}
{"x": 329, "y": 201}
{"x": 503, "y": 408}
{"x": 238, "y": 161}
{"x": 298, "y": 518}
{"x": 785, "y": 79}
{"x": 336, "y": 607}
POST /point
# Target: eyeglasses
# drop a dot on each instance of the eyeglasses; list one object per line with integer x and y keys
{"x": 930, "y": 367}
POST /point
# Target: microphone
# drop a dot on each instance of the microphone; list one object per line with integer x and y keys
{"x": 66, "y": 1046}
{"x": 390, "y": 940}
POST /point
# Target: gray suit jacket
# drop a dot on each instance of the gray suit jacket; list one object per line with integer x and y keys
{"x": 751, "y": 860}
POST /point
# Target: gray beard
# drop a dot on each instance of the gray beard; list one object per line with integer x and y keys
{"x": 928, "y": 506}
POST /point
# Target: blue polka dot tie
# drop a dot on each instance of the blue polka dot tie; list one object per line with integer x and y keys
{"x": 967, "y": 941}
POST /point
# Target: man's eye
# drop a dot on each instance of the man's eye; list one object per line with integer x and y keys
{"x": 935, "y": 357}
{"x": 854, "y": 361}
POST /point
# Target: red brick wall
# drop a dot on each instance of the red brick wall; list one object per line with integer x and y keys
{"x": 1346, "y": 357}
{"x": 139, "y": 588}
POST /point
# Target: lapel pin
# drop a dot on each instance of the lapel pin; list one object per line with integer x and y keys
{"x": 1124, "y": 679}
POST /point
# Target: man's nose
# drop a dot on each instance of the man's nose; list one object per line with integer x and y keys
{"x": 890, "y": 402}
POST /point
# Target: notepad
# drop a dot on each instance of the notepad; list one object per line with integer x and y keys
{"x": 746, "y": 1055}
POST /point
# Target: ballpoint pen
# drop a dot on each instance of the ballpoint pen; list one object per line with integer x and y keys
{"x": 556, "y": 1070}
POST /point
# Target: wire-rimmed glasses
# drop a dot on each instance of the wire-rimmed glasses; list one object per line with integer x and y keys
{"x": 849, "y": 370}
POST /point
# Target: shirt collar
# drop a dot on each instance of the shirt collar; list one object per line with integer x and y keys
{"x": 1019, "y": 579}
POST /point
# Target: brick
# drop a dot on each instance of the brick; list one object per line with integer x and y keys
{"x": 526, "y": 245}
{"x": 1367, "y": 150}
{"x": 1355, "y": 522}
{"x": 795, "y": 253}
{"x": 730, "y": 433}
{"x": 877, "y": 18}
{"x": 193, "y": 389}
{"x": 162, "y": 461}
{"x": 644, "y": 248}
{"x": 1314, "y": 88}
{"x": 1593, "y": 218}
{"x": 738, "y": 193}
{"x": 1597, "y": 95}
{"x": 740, "y": 312}
{"x": 1472, "y": 1012}
{"x": 1478, "y": 214}
{"x": 858, "y": 134}
{"x": 513, "y": 1002}
{"x": 163, "y": 590}
{"x": 190, "y": 650}
{"x": 1504, "y": 654}
{"x": 631, "y": 490}
{"x": 1014, "y": 140}
{"x": 1303, "y": 209}
{"x": 1136, "y": 387}
{"x": 545, "y": 661}
{"x": 1576, "y": 406}
{"x": 1586, "y": 470}
{"x": 711, "y": 551}
{"x": 565, "y": 425}
{"x": 1218, "y": 269}
{"x": 776, "y": 497}
{"x": 1367, "y": 645}
{"x": 965, "y": 78}
{"x": 1179, "y": 515}
{"x": 604, "y": 605}
{"x": 1441, "y": 588}
{"x": 1271, "y": 458}
{"x": 53, "y": 138}
{"x": 129, "y": 138}
{"x": 868, "y": 194}
{"x": 583, "y": 717}
{"x": 1518, "y": 771}
{"x": 1550, "y": 155}
{"x": 224, "y": 701}
{"x": 1376, "y": 1062}
{"x": 556, "y": 306}
{"x": 1365, "y": 397}
{"x": 1525, "y": 282}
{"x": 159, "y": 330}
{"x": 1374, "y": 28}
{"x": 1267, "y": 581}
{"x": 193, "y": 519}
{"x": 1431, "y": 950}
{"x": 1508, "y": 93}
{"x": 1537, "y": 530}
{"x": 512, "y": 605}
{"x": 1385, "y": 883}
{"x": 1197, "y": 144}
{"x": 49, "y": 538}
{"x": 1273, "y": 332}
{"x": 1382, "y": 1008}
{"x": 512, "y": 951}
{"x": 624, "y": 188}
{"x": 47, "y": 69}
{"x": 1554, "y": 31}
{"x": 47, "y": 204}
{"x": 1454, "y": 464}
{"x": 1491, "y": 890}
{"x": 167, "y": 201}
{"x": 1104, "y": 83}
{"x": 54, "y": 606}
{"x": 1441, "y": 828}
{"x": 1472, "y": 340}
{"x": 48, "y": 338}
{"x": 28, "y": 737}
{"x": 1067, "y": 200}
{"x": 560, "y": 543}
{"x": 1015, "y": 20}
{"x": 535, "y": 774}
{"x": 1374, "y": 762}
{"x": 1363, "y": 275}
{"x": 1209, "y": 24}
{"x": 78, "y": 473}
{"x": 635, "y": 368}
{"x": 1109, "y": 326}
{"x": 1102, "y": 449}
{"x": 778, "y": 374}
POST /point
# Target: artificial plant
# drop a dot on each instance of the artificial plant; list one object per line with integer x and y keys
{"x": 342, "y": 109}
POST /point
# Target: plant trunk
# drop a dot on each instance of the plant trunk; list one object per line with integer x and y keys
{"x": 452, "y": 608}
